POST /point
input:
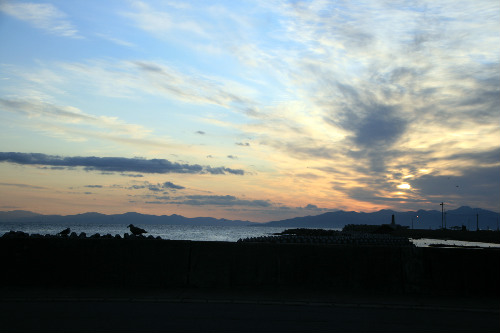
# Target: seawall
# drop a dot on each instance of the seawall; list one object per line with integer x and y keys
{"x": 162, "y": 264}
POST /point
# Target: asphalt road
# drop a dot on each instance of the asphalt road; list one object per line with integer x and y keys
{"x": 147, "y": 315}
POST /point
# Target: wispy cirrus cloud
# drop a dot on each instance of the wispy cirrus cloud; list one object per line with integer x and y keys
{"x": 193, "y": 88}
{"x": 75, "y": 125}
{"x": 115, "y": 164}
{"x": 162, "y": 22}
{"x": 43, "y": 16}
{"x": 24, "y": 186}
{"x": 133, "y": 79}
{"x": 115, "y": 40}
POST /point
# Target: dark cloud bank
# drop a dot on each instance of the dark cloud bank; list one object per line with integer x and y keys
{"x": 220, "y": 200}
{"x": 158, "y": 187}
{"x": 114, "y": 164}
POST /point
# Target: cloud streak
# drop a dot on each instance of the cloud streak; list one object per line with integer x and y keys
{"x": 218, "y": 200}
{"x": 161, "y": 23}
{"x": 75, "y": 125}
{"x": 24, "y": 186}
{"x": 115, "y": 164}
{"x": 42, "y": 16}
{"x": 166, "y": 186}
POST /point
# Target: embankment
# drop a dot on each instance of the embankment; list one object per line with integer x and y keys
{"x": 155, "y": 263}
{"x": 485, "y": 236}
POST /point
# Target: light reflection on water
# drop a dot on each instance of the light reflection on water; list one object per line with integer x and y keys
{"x": 425, "y": 242}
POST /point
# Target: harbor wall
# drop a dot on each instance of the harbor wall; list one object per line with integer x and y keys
{"x": 163, "y": 264}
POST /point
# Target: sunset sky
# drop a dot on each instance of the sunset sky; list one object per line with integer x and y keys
{"x": 252, "y": 110}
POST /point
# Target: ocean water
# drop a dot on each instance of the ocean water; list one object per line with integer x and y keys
{"x": 173, "y": 232}
{"x": 187, "y": 232}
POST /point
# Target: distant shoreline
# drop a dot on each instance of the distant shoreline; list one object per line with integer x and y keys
{"x": 470, "y": 218}
{"x": 481, "y": 236}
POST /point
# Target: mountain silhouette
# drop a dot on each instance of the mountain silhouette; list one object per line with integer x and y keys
{"x": 126, "y": 218}
{"x": 422, "y": 219}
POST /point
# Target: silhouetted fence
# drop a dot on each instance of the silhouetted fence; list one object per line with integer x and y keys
{"x": 163, "y": 264}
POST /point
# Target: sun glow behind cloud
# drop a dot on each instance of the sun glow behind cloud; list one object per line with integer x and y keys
{"x": 322, "y": 105}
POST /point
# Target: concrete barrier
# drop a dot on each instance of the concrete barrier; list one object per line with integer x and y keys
{"x": 161, "y": 263}
{"x": 461, "y": 271}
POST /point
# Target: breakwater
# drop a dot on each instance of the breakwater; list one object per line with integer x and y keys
{"x": 108, "y": 261}
{"x": 331, "y": 237}
{"x": 486, "y": 236}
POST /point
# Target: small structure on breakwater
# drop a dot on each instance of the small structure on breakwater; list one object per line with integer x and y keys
{"x": 375, "y": 229}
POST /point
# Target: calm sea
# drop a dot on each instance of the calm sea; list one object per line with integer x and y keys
{"x": 173, "y": 232}
{"x": 186, "y": 232}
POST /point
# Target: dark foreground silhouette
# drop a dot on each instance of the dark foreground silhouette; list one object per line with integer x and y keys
{"x": 134, "y": 283}
{"x": 135, "y": 230}
{"x": 213, "y": 310}
{"x": 64, "y": 232}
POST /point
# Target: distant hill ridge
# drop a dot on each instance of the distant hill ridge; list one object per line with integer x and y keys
{"x": 125, "y": 218}
{"x": 422, "y": 219}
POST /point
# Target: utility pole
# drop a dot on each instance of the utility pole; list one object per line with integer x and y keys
{"x": 477, "y": 222}
{"x": 442, "y": 214}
